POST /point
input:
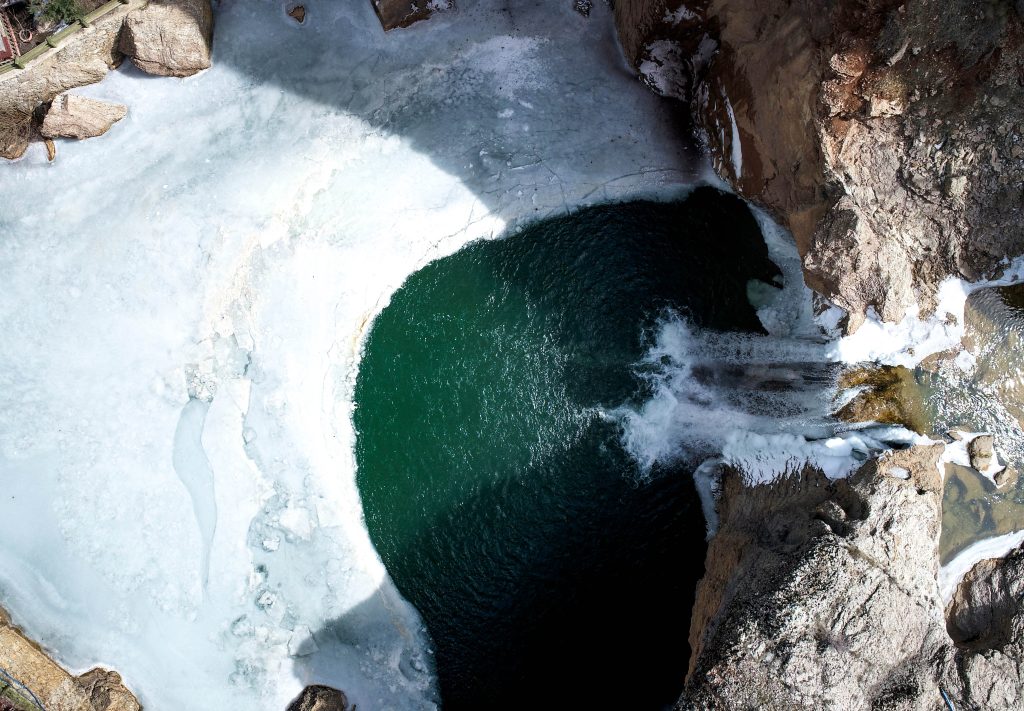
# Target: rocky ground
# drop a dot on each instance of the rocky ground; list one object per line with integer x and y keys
{"x": 823, "y": 594}
{"x": 887, "y": 135}
{"x": 24, "y": 663}
{"x": 162, "y": 37}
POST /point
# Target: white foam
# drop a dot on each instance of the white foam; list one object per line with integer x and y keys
{"x": 686, "y": 417}
{"x": 232, "y": 240}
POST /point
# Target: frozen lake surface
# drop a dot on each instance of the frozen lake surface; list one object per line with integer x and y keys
{"x": 183, "y": 303}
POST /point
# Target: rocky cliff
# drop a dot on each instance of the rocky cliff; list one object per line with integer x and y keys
{"x": 888, "y": 136}
{"x": 823, "y": 595}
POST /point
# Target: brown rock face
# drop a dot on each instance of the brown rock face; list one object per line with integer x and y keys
{"x": 402, "y": 13}
{"x": 986, "y": 619}
{"x": 319, "y": 698}
{"x": 170, "y": 37}
{"x": 886, "y": 135}
{"x": 96, "y": 690}
{"x": 85, "y": 58}
{"x": 79, "y": 117}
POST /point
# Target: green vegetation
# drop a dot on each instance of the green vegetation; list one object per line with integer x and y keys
{"x": 12, "y": 700}
{"x": 56, "y": 10}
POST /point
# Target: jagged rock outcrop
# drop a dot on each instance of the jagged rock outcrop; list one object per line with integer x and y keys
{"x": 80, "y": 117}
{"x": 822, "y": 595}
{"x": 986, "y": 620}
{"x": 57, "y": 690}
{"x": 84, "y": 58}
{"x": 170, "y": 37}
{"x": 319, "y": 698}
{"x": 888, "y": 136}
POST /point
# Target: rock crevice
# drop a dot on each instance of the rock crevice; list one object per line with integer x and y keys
{"x": 888, "y": 136}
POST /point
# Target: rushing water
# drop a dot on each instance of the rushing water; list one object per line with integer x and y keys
{"x": 493, "y": 479}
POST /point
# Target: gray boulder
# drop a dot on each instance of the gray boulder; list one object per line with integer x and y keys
{"x": 822, "y": 594}
{"x": 980, "y": 451}
{"x": 986, "y": 620}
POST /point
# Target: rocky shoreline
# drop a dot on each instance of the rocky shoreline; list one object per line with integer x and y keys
{"x": 887, "y": 136}
{"x": 30, "y": 678}
{"x": 160, "y": 38}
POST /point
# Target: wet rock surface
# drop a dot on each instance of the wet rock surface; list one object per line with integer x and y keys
{"x": 79, "y": 117}
{"x": 885, "y": 394}
{"x": 887, "y": 136}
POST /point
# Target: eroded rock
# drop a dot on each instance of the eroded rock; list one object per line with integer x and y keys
{"x": 888, "y": 394}
{"x": 319, "y": 698}
{"x": 980, "y": 615}
{"x": 84, "y": 58}
{"x": 169, "y": 37}
{"x": 80, "y": 117}
{"x": 822, "y": 595}
{"x": 986, "y": 619}
{"x": 980, "y": 451}
{"x": 883, "y": 134}
{"x": 402, "y": 13}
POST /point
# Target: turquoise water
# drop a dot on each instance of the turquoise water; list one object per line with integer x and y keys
{"x": 493, "y": 480}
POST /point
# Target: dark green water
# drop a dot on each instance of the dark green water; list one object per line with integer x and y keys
{"x": 550, "y": 574}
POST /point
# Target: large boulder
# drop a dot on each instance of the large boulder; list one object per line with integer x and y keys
{"x": 986, "y": 620}
{"x": 169, "y": 37}
{"x": 822, "y": 594}
{"x": 79, "y": 117}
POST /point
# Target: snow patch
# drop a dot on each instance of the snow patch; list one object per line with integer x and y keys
{"x": 914, "y": 338}
{"x": 680, "y": 14}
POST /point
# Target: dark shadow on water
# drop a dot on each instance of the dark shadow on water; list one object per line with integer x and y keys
{"x": 496, "y": 491}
